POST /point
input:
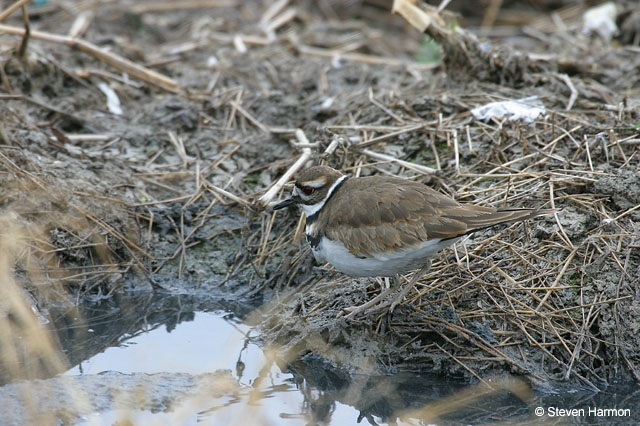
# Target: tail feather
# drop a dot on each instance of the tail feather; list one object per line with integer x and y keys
{"x": 487, "y": 219}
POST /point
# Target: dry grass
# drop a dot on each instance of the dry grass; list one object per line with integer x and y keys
{"x": 529, "y": 284}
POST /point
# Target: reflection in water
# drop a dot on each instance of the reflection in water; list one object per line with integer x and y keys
{"x": 190, "y": 360}
{"x": 90, "y": 329}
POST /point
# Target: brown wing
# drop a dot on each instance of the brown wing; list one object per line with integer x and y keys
{"x": 377, "y": 214}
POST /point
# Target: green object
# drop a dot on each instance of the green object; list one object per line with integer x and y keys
{"x": 429, "y": 51}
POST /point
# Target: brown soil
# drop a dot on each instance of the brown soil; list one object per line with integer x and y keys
{"x": 164, "y": 195}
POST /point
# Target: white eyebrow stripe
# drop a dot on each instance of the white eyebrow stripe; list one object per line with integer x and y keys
{"x": 315, "y": 183}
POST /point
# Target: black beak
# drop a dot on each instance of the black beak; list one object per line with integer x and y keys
{"x": 283, "y": 204}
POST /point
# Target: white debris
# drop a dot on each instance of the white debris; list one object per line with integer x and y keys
{"x": 238, "y": 42}
{"x": 527, "y": 110}
{"x": 336, "y": 61}
{"x": 601, "y": 20}
{"x": 113, "y": 102}
{"x": 326, "y": 104}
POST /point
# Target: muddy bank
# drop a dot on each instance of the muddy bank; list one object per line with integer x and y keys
{"x": 163, "y": 195}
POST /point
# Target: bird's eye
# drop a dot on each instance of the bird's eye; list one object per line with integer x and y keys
{"x": 308, "y": 190}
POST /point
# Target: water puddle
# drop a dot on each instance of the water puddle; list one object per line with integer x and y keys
{"x": 206, "y": 342}
{"x": 183, "y": 360}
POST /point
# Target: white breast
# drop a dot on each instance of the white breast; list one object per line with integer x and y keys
{"x": 384, "y": 264}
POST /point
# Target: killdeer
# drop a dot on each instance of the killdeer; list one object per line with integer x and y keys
{"x": 383, "y": 226}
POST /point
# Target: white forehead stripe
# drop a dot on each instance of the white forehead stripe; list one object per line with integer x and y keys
{"x": 317, "y": 183}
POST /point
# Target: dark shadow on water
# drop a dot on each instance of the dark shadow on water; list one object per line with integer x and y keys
{"x": 389, "y": 397}
{"x": 432, "y": 399}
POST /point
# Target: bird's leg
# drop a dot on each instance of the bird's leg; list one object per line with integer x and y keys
{"x": 403, "y": 292}
{"x": 355, "y": 310}
{"x": 384, "y": 283}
